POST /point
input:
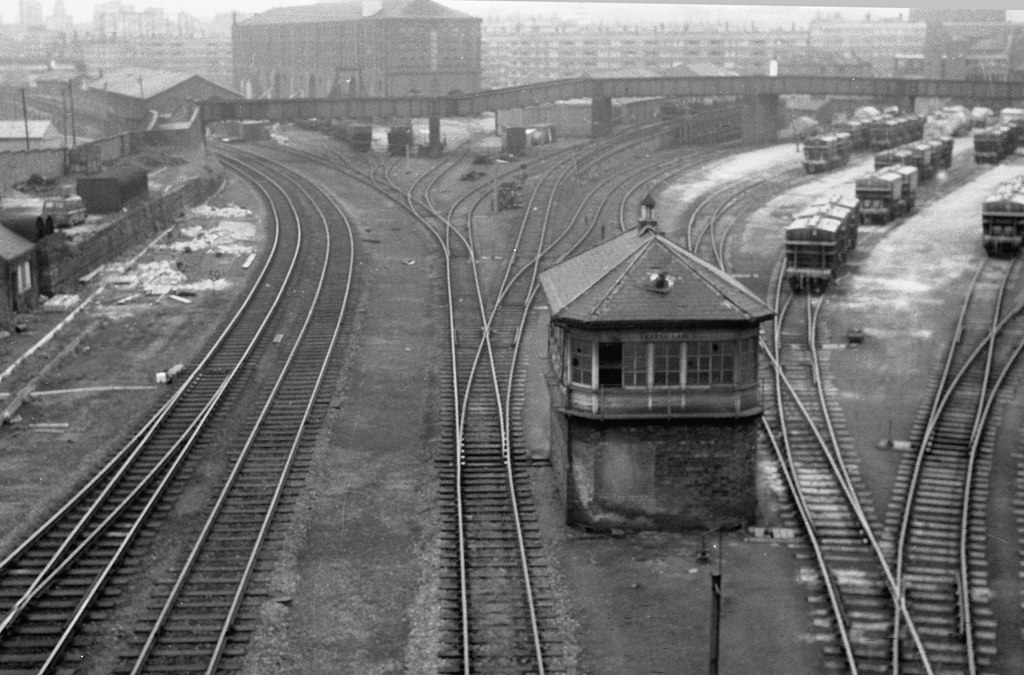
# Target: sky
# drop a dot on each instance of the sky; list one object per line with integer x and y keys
{"x": 82, "y": 10}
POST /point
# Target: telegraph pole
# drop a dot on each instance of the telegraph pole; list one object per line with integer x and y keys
{"x": 24, "y": 113}
{"x": 71, "y": 96}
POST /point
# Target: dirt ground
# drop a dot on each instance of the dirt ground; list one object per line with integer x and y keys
{"x": 354, "y": 590}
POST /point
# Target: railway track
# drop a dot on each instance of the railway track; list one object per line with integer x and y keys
{"x": 73, "y": 569}
{"x": 830, "y": 504}
{"x": 939, "y": 519}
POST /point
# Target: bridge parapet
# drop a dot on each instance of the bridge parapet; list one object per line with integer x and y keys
{"x": 599, "y": 89}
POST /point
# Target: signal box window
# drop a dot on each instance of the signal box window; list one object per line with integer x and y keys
{"x": 580, "y": 361}
{"x": 634, "y": 364}
{"x": 666, "y": 361}
{"x": 711, "y": 363}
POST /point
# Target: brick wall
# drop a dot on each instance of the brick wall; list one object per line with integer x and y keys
{"x": 658, "y": 475}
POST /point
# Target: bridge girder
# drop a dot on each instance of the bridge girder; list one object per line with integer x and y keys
{"x": 560, "y": 90}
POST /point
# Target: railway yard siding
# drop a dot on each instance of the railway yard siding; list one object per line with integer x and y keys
{"x": 357, "y": 588}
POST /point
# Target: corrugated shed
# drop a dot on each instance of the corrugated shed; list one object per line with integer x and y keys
{"x": 327, "y": 11}
{"x": 138, "y": 82}
{"x": 13, "y": 245}
{"x": 611, "y": 283}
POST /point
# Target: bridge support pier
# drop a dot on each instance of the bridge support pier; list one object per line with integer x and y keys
{"x": 762, "y": 118}
{"x": 601, "y": 120}
{"x": 434, "y": 139}
{"x": 906, "y": 104}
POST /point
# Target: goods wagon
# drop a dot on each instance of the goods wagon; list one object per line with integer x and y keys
{"x": 923, "y": 158}
{"x": 882, "y": 197}
{"x": 892, "y": 157}
{"x": 111, "y": 190}
{"x": 357, "y": 135}
{"x": 945, "y": 150}
{"x": 254, "y": 130}
{"x": 982, "y": 116}
{"x": 541, "y": 134}
{"x": 1002, "y": 219}
{"x": 825, "y": 204}
{"x": 399, "y": 140}
{"x": 909, "y": 177}
{"x": 993, "y": 144}
{"x": 516, "y": 140}
{"x": 817, "y": 247}
{"x": 825, "y": 152}
{"x": 858, "y": 131}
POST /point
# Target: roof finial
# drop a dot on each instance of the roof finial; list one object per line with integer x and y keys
{"x": 647, "y": 221}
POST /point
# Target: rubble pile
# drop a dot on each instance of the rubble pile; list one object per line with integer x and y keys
{"x": 229, "y": 211}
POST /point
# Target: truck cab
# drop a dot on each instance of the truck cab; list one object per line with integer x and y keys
{"x": 64, "y": 211}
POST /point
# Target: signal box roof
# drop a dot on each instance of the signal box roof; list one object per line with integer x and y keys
{"x": 613, "y": 284}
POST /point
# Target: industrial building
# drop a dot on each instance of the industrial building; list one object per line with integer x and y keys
{"x": 409, "y": 48}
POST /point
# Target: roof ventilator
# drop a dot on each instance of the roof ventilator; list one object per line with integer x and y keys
{"x": 659, "y": 282}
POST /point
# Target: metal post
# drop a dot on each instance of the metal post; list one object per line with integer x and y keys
{"x": 24, "y": 112}
{"x": 716, "y": 607}
{"x": 716, "y": 601}
{"x": 494, "y": 186}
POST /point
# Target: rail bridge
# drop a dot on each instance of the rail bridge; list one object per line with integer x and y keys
{"x": 760, "y": 94}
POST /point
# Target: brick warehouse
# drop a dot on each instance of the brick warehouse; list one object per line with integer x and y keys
{"x": 655, "y": 397}
{"x": 400, "y": 48}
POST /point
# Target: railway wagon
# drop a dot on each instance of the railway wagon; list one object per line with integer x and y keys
{"x": 849, "y": 219}
{"x": 816, "y": 250}
{"x": 881, "y": 196}
{"x": 923, "y": 158}
{"x": 993, "y": 144}
{"x": 1014, "y": 119}
{"x": 884, "y": 133}
{"x": 823, "y": 204}
{"x": 356, "y": 134}
{"x": 825, "y": 152}
{"x": 897, "y": 156}
{"x": 909, "y": 175}
{"x": 945, "y": 144}
{"x": 399, "y": 140}
{"x": 890, "y": 132}
{"x": 859, "y": 138}
{"x": 1002, "y": 221}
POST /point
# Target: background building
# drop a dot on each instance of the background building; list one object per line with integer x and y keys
{"x": 875, "y": 41}
{"x": 517, "y": 51}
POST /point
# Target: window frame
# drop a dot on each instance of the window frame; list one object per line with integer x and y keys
{"x": 572, "y": 369}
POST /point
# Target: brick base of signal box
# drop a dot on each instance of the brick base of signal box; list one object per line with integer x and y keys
{"x": 655, "y": 475}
